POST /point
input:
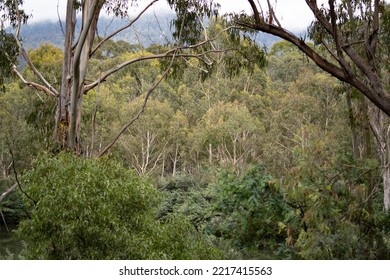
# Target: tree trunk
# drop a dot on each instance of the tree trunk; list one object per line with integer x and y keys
{"x": 353, "y": 124}
{"x": 386, "y": 187}
{"x": 76, "y": 58}
{"x": 380, "y": 126}
{"x": 91, "y": 11}
{"x": 63, "y": 110}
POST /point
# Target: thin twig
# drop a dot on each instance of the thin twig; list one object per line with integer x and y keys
{"x": 59, "y": 17}
{"x": 26, "y": 56}
{"x": 16, "y": 175}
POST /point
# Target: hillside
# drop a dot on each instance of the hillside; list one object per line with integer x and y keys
{"x": 147, "y": 30}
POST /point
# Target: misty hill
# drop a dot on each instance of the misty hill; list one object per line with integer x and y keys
{"x": 147, "y": 30}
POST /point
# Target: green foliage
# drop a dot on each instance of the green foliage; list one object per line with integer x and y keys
{"x": 247, "y": 56}
{"x": 97, "y": 209}
{"x": 118, "y": 7}
{"x": 185, "y": 194}
{"x": 9, "y": 13}
{"x": 188, "y": 24}
{"x": 9, "y": 52}
{"x": 48, "y": 59}
{"x": 333, "y": 215}
{"x": 227, "y": 134}
{"x": 248, "y": 210}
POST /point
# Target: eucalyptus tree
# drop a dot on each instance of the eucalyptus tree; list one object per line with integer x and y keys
{"x": 80, "y": 47}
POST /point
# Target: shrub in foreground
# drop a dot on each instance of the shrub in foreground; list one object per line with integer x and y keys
{"x": 97, "y": 209}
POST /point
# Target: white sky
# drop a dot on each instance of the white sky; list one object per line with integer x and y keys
{"x": 293, "y": 14}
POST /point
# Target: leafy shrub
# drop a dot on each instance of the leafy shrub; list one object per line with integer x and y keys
{"x": 248, "y": 210}
{"x": 341, "y": 217}
{"x": 97, "y": 209}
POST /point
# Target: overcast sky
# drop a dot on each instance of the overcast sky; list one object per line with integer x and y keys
{"x": 293, "y": 14}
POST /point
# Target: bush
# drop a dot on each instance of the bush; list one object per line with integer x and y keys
{"x": 248, "y": 210}
{"x": 338, "y": 210}
{"x": 97, "y": 209}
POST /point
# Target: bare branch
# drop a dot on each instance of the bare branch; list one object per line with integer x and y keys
{"x": 16, "y": 175}
{"x": 27, "y": 57}
{"x": 32, "y": 84}
{"x": 374, "y": 90}
{"x": 168, "y": 54}
{"x": 124, "y": 27}
{"x": 8, "y": 191}
{"x": 381, "y": 100}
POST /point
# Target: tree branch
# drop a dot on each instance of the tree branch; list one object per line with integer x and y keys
{"x": 8, "y": 191}
{"x": 27, "y": 57}
{"x": 374, "y": 90}
{"x": 256, "y": 13}
{"x": 123, "y": 28}
{"x": 32, "y": 84}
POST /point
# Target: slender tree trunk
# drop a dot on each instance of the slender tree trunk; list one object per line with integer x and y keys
{"x": 353, "y": 124}
{"x": 175, "y": 159}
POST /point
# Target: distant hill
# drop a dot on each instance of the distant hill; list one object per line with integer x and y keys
{"x": 147, "y": 30}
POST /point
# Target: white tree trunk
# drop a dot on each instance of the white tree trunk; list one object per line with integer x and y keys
{"x": 386, "y": 187}
{"x": 380, "y": 125}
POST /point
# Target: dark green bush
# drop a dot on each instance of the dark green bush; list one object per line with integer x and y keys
{"x": 97, "y": 209}
{"x": 248, "y": 210}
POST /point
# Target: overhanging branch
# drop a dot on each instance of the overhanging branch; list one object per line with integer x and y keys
{"x": 374, "y": 91}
